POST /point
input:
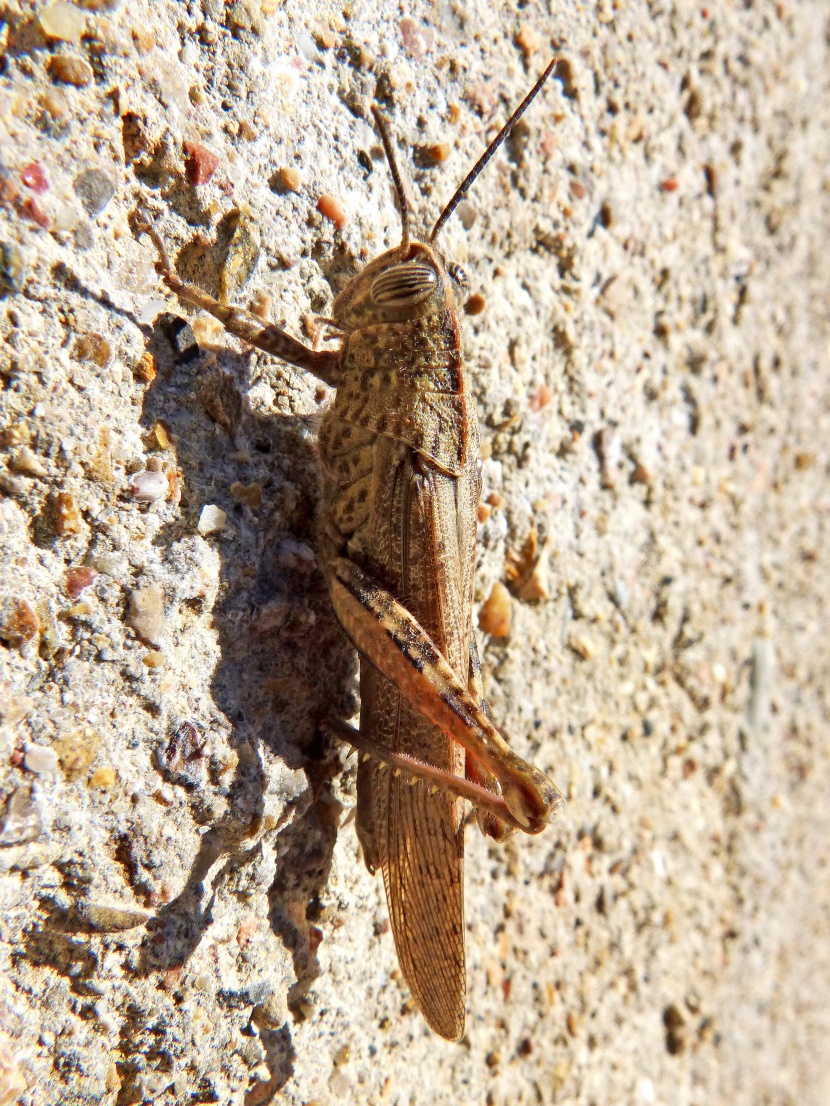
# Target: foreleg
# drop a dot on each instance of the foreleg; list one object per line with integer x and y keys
{"x": 243, "y": 324}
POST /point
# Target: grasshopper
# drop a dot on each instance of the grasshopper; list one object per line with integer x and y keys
{"x": 399, "y": 452}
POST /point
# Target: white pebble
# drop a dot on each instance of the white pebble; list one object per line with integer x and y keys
{"x": 62, "y": 21}
{"x": 28, "y": 462}
{"x": 146, "y": 486}
{"x": 211, "y": 520}
{"x": 659, "y": 864}
{"x": 40, "y": 759}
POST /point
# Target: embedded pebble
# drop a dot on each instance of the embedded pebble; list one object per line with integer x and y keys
{"x": 200, "y": 163}
{"x": 564, "y": 72}
{"x": 40, "y": 759}
{"x": 583, "y": 645}
{"x": 249, "y": 494}
{"x": 12, "y": 269}
{"x": 77, "y": 579}
{"x": 12, "y": 1079}
{"x": 76, "y": 751}
{"x": 540, "y": 398}
{"x": 467, "y": 213}
{"x": 616, "y": 296}
{"x": 212, "y": 519}
{"x": 22, "y": 821}
{"x": 111, "y": 917}
{"x": 182, "y": 338}
{"x": 70, "y": 69}
{"x": 242, "y": 257}
{"x": 83, "y": 236}
{"x": 147, "y": 486}
{"x": 495, "y": 615}
{"x": 761, "y": 678}
{"x": 94, "y": 188}
{"x": 31, "y": 210}
{"x": 27, "y": 462}
{"x": 183, "y": 759}
{"x": 417, "y": 38}
{"x": 50, "y": 634}
{"x": 18, "y": 622}
{"x": 245, "y": 15}
{"x": 642, "y": 474}
{"x": 291, "y": 178}
{"x": 12, "y": 486}
{"x": 307, "y": 47}
{"x": 103, "y": 778}
{"x": 66, "y": 516}
{"x": 609, "y": 449}
{"x": 55, "y": 104}
{"x": 66, "y": 217}
{"x": 78, "y": 610}
{"x": 519, "y": 562}
{"x": 62, "y": 21}
{"x": 135, "y": 137}
{"x": 530, "y": 570}
{"x": 110, "y": 564}
{"x": 674, "y": 1022}
{"x": 435, "y": 153}
{"x": 147, "y": 613}
{"x": 528, "y": 40}
{"x": 34, "y": 177}
{"x": 296, "y": 555}
{"x": 92, "y": 347}
{"x": 331, "y": 209}
{"x": 261, "y": 304}
{"x": 159, "y": 438}
{"x": 145, "y": 368}
{"x": 475, "y": 304}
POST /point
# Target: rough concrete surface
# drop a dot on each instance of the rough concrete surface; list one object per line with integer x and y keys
{"x": 184, "y": 912}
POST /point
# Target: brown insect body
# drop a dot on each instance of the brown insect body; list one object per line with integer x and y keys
{"x": 399, "y": 452}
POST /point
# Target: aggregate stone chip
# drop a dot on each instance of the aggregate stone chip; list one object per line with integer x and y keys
{"x": 185, "y": 914}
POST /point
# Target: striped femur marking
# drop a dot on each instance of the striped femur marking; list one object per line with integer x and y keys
{"x": 404, "y": 285}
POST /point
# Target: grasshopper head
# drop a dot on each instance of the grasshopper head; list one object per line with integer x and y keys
{"x": 409, "y": 282}
{"x": 413, "y": 280}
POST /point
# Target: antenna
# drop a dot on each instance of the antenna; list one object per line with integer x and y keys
{"x": 466, "y": 184}
{"x": 396, "y": 176}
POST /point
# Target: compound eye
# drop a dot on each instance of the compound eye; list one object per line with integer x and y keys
{"x": 457, "y": 274}
{"x": 404, "y": 285}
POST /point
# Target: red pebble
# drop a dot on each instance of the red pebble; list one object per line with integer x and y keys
{"x": 669, "y": 185}
{"x": 540, "y": 398}
{"x": 29, "y": 209}
{"x": 548, "y": 144}
{"x": 34, "y": 177}
{"x": 417, "y": 39}
{"x": 77, "y": 579}
{"x": 201, "y": 163}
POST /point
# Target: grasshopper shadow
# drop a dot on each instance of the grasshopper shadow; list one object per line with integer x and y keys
{"x": 283, "y": 667}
